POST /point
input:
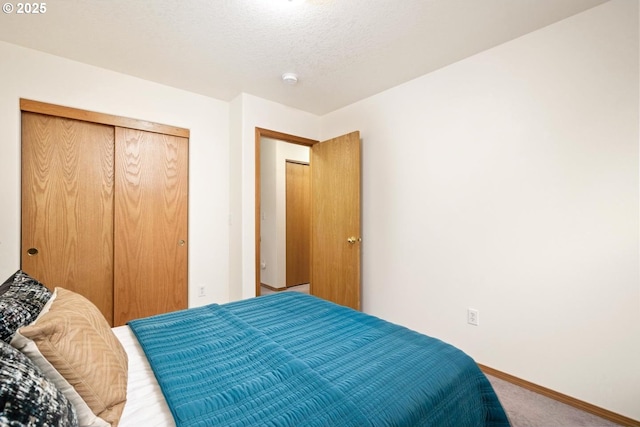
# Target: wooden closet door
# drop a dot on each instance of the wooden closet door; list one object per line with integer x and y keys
{"x": 298, "y": 223}
{"x": 67, "y": 206}
{"x": 150, "y": 243}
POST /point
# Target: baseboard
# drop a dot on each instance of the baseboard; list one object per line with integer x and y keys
{"x": 576, "y": 403}
{"x": 271, "y": 288}
{"x": 295, "y": 286}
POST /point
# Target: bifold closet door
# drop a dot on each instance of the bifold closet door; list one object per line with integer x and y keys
{"x": 150, "y": 224}
{"x": 67, "y": 205}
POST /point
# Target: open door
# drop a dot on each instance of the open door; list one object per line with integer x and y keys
{"x": 335, "y": 220}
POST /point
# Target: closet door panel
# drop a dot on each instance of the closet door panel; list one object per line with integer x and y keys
{"x": 150, "y": 241}
{"x": 67, "y": 205}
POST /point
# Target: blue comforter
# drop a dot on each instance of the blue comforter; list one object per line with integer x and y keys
{"x": 290, "y": 359}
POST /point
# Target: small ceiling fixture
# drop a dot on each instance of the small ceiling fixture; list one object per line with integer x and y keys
{"x": 290, "y": 78}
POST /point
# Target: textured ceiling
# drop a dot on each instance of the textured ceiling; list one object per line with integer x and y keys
{"x": 342, "y": 50}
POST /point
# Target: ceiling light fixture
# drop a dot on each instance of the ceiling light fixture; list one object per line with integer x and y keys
{"x": 290, "y": 78}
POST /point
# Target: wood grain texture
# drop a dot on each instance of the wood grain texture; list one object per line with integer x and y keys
{"x": 293, "y": 139}
{"x": 101, "y": 118}
{"x": 335, "y": 206}
{"x": 151, "y": 188}
{"x": 298, "y": 223}
{"x": 67, "y": 205}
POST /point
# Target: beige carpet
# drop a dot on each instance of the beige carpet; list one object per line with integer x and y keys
{"x": 528, "y": 409}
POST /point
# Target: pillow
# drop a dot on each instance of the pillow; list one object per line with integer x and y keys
{"x": 74, "y": 345}
{"x": 21, "y": 303}
{"x": 27, "y": 397}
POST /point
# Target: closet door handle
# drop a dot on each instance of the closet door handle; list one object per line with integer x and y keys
{"x": 32, "y": 251}
{"x": 181, "y": 242}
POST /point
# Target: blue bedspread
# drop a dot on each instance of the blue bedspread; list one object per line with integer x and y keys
{"x": 290, "y": 359}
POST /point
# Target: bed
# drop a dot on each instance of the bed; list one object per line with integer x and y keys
{"x": 286, "y": 359}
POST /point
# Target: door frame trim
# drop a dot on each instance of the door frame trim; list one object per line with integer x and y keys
{"x": 259, "y": 134}
{"x": 100, "y": 118}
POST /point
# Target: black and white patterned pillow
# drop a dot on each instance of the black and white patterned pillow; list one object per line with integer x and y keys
{"x": 21, "y": 304}
{"x": 27, "y": 397}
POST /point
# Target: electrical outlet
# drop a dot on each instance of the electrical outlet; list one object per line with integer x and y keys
{"x": 201, "y": 291}
{"x": 473, "y": 317}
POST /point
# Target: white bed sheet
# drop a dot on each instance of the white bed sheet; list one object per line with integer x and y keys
{"x": 145, "y": 402}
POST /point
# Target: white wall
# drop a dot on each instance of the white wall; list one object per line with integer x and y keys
{"x": 34, "y": 75}
{"x": 236, "y": 261}
{"x": 508, "y": 182}
{"x": 251, "y": 112}
{"x": 268, "y": 213}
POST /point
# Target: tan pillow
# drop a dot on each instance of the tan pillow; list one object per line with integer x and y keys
{"x": 74, "y": 338}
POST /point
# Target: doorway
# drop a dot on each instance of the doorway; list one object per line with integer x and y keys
{"x": 335, "y": 224}
{"x": 284, "y": 215}
{"x": 273, "y": 149}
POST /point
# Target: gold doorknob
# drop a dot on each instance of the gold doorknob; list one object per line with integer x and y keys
{"x": 353, "y": 239}
{"x": 181, "y": 242}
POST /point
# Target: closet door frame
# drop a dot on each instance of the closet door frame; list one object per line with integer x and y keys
{"x": 100, "y": 118}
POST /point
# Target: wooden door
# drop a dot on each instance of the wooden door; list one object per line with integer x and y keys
{"x": 298, "y": 221}
{"x": 150, "y": 244}
{"x": 335, "y": 220}
{"x": 67, "y": 206}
